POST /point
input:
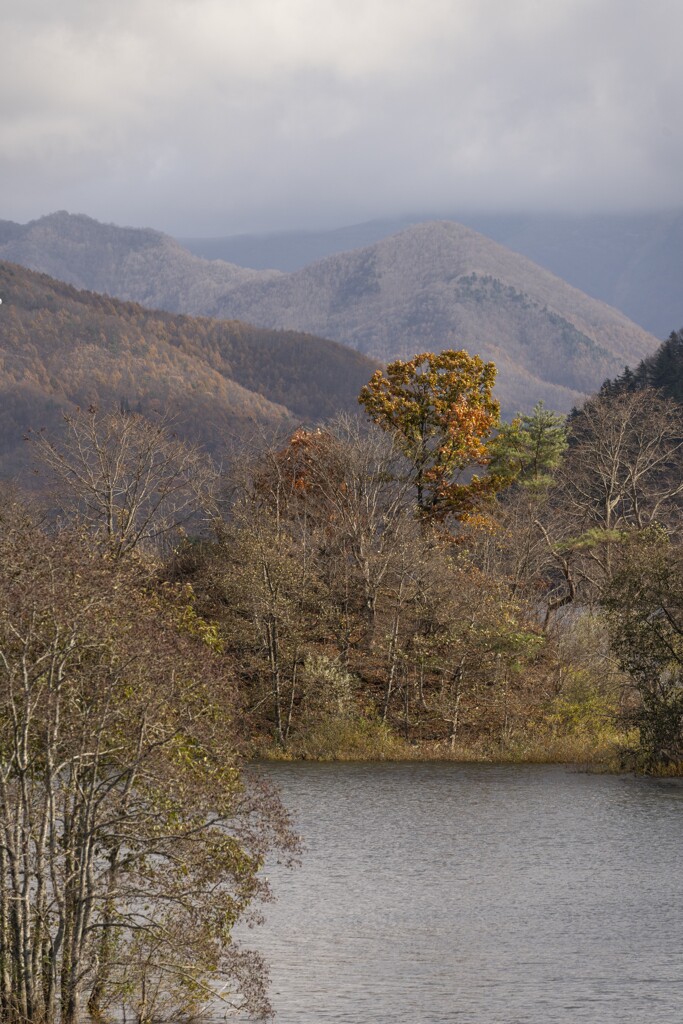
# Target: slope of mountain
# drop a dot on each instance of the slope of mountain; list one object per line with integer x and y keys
{"x": 61, "y": 348}
{"x": 131, "y": 263}
{"x": 432, "y": 286}
{"x": 441, "y": 285}
{"x": 633, "y": 261}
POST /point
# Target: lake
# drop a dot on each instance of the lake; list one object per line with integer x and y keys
{"x": 434, "y": 893}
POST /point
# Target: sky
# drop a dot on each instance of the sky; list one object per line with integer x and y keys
{"x": 216, "y": 117}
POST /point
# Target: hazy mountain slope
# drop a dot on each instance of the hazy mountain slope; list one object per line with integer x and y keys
{"x": 138, "y": 264}
{"x": 633, "y": 262}
{"x": 432, "y": 286}
{"x": 441, "y": 285}
{"x": 61, "y": 348}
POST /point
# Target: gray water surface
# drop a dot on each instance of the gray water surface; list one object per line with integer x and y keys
{"x": 434, "y": 893}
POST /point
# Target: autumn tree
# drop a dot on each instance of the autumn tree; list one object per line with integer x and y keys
{"x": 130, "y": 844}
{"x": 441, "y": 411}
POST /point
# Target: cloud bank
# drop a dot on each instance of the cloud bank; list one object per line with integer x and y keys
{"x": 219, "y": 116}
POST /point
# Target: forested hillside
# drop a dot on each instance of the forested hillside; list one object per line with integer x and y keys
{"x": 441, "y": 285}
{"x": 431, "y": 583}
{"x": 380, "y": 599}
{"x": 62, "y": 348}
{"x": 130, "y": 263}
{"x": 631, "y": 261}
{"x": 432, "y": 286}
{"x": 663, "y": 371}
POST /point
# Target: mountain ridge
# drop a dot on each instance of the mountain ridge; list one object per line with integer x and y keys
{"x": 442, "y": 285}
{"x": 61, "y": 348}
{"x": 631, "y": 261}
{"x": 61, "y": 245}
{"x": 432, "y": 286}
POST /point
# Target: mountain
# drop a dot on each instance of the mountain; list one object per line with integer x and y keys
{"x": 139, "y": 264}
{"x": 432, "y": 286}
{"x": 633, "y": 261}
{"x": 441, "y": 285}
{"x": 61, "y": 348}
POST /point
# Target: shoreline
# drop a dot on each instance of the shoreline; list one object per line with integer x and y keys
{"x": 612, "y": 756}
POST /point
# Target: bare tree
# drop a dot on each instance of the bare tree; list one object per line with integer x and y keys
{"x": 625, "y": 461}
{"x": 131, "y": 481}
{"x": 351, "y": 482}
{"x": 623, "y": 473}
{"x": 316, "y": 532}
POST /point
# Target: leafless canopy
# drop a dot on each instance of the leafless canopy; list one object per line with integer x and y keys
{"x": 131, "y": 480}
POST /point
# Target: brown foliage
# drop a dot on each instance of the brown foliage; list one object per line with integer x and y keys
{"x": 129, "y": 843}
{"x": 61, "y": 349}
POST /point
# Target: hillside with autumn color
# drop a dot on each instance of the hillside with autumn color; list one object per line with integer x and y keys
{"x": 61, "y": 348}
{"x": 432, "y": 286}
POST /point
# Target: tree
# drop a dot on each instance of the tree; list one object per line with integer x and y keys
{"x": 441, "y": 411}
{"x": 130, "y": 844}
{"x": 645, "y": 615}
{"x": 131, "y": 481}
{"x": 623, "y": 472}
{"x": 663, "y": 371}
{"x": 346, "y": 480}
{"x": 310, "y": 546}
{"x": 665, "y": 367}
{"x": 530, "y": 449}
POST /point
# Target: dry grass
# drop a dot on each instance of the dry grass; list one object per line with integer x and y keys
{"x": 347, "y": 740}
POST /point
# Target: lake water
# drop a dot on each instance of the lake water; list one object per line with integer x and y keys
{"x": 435, "y": 893}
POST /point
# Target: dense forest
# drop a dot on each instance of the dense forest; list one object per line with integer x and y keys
{"x": 380, "y": 598}
{"x": 61, "y": 348}
{"x": 418, "y": 580}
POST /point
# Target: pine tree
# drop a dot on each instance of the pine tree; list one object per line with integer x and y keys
{"x": 529, "y": 449}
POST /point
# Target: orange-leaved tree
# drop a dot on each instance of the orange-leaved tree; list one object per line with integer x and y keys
{"x": 441, "y": 411}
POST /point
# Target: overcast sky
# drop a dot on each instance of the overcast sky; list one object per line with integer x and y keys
{"x": 211, "y": 117}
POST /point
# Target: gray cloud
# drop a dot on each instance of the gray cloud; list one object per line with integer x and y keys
{"x": 213, "y": 116}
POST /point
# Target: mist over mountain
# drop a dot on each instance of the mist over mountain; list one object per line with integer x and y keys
{"x": 432, "y": 286}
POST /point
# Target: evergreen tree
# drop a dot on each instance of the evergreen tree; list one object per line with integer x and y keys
{"x": 663, "y": 371}
{"x": 529, "y": 449}
{"x": 666, "y": 367}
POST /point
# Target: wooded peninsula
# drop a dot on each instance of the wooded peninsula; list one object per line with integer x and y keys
{"x": 419, "y": 581}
